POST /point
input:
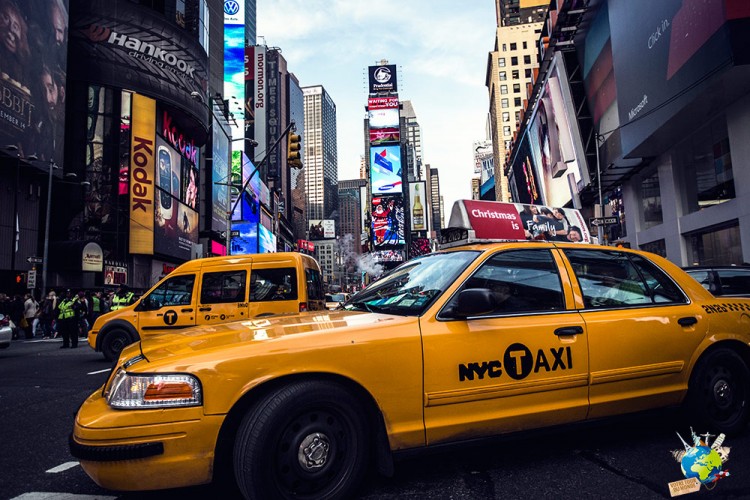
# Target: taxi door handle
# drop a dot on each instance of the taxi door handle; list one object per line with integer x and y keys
{"x": 569, "y": 330}
{"x": 204, "y": 309}
{"x": 689, "y": 321}
{"x": 187, "y": 310}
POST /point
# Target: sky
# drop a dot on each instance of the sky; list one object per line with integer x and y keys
{"x": 440, "y": 48}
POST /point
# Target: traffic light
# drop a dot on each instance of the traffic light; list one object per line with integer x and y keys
{"x": 20, "y": 278}
{"x": 293, "y": 156}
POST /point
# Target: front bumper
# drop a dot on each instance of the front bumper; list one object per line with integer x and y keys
{"x": 135, "y": 450}
{"x": 91, "y": 338}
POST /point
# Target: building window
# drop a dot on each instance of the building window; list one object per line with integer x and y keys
{"x": 527, "y": 59}
{"x": 517, "y": 101}
{"x": 658, "y": 247}
{"x": 525, "y": 45}
{"x": 503, "y": 76}
{"x": 506, "y": 116}
{"x": 508, "y": 144}
{"x": 503, "y": 89}
{"x": 180, "y": 13}
{"x": 505, "y": 47}
{"x": 705, "y": 160}
{"x": 501, "y": 62}
{"x": 506, "y": 131}
{"x": 514, "y": 61}
{"x": 514, "y": 74}
{"x": 716, "y": 246}
{"x": 516, "y": 88}
{"x": 504, "y": 102}
{"x": 527, "y": 72}
{"x": 513, "y": 46}
{"x": 651, "y": 201}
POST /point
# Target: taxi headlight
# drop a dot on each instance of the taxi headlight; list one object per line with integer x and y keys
{"x": 133, "y": 391}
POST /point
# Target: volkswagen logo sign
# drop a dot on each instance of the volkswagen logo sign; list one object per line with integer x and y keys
{"x": 382, "y": 74}
{"x": 231, "y": 7}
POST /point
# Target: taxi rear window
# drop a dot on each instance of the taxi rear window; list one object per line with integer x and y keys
{"x": 279, "y": 283}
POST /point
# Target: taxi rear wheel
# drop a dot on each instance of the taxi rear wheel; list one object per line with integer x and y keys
{"x": 306, "y": 440}
{"x": 114, "y": 342}
{"x": 720, "y": 391}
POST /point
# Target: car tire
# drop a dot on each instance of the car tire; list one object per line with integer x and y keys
{"x": 114, "y": 342}
{"x": 719, "y": 392}
{"x": 306, "y": 440}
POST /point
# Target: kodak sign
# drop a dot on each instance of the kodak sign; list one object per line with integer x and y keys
{"x": 142, "y": 175}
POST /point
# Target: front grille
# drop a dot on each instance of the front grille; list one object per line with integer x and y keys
{"x": 114, "y": 453}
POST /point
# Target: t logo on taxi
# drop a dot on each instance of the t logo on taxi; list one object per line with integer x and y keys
{"x": 519, "y": 362}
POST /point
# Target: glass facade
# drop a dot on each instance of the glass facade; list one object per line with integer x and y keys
{"x": 715, "y": 246}
{"x": 651, "y": 201}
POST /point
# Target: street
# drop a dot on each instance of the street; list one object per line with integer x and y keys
{"x": 41, "y": 387}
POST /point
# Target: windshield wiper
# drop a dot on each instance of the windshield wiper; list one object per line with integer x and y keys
{"x": 362, "y": 305}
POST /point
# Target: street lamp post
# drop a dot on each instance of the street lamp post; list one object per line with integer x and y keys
{"x": 14, "y": 222}
{"x": 45, "y": 251}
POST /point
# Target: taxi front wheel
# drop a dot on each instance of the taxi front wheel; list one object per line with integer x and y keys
{"x": 719, "y": 392}
{"x": 307, "y": 440}
{"x": 114, "y": 342}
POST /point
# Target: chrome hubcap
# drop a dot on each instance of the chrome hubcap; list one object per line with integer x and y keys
{"x": 313, "y": 451}
{"x": 722, "y": 392}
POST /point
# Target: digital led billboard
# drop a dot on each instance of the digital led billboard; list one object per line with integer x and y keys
{"x": 385, "y": 169}
{"x": 387, "y": 216}
{"x": 322, "y": 229}
{"x": 33, "y": 68}
{"x": 418, "y": 207}
{"x": 266, "y": 240}
{"x": 234, "y": 66}
{"x": 246, "y": 240}
{"x": 382, "y": 78}
{"x": 219, "y": 175}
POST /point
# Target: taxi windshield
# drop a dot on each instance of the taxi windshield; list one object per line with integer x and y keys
{"x": 411, "y": 287}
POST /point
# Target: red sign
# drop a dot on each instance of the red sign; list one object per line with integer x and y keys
{"x": 494, "y": 220}
{"x": 307, "y": 246}
{"x": 382, "y": 102}
{"x": 185, "y": 145}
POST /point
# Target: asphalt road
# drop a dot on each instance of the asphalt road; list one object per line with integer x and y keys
{"x": 41, "y": 387}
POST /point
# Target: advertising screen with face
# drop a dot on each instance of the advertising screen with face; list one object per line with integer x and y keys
{"x": 385, "y": 168}
{"x": 387, "y": 215}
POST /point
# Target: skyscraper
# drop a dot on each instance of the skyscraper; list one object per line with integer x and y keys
{"x": 413, "y": 134}
{"x": 321, "y": 156}
{"x": 510, "y": 12}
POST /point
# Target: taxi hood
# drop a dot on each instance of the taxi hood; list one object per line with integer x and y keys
{"x": 294, "y": 330}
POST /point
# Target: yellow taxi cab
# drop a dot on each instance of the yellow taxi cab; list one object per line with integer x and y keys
{"x": 478, "y": 339}
{"x": 214, "y": 290}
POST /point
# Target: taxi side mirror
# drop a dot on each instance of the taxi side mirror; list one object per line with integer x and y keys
{"x": 472, "y": 302}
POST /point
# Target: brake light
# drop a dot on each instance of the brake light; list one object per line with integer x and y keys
{"x": 302, "y": 306}
{"x": 4, "y": 321}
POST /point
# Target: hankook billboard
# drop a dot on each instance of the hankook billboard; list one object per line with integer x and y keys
{"x": 122, "y": 44}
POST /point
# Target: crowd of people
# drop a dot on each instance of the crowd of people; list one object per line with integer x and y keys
{"x": 66, "y": 315}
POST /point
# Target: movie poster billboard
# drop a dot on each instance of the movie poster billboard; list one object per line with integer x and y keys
{"x": 33, "y": 68}
{"x": 322, "y": 229}
{"x": 525, "y": 186}
{"x": 385, "y": 169}
{"x": 387, "y": 216}
{"x": 555, "y": 142}
{"x": 382, "y": 78}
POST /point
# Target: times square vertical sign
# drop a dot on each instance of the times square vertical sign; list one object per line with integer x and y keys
{"x": 273, "y": 112}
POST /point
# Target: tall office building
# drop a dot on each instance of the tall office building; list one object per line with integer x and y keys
{"x": 351, "y": 211}
{"x": 321, "y": 157}
{"x": 510, "y": 74}
{"x": 436, "y": 201}
{"x": 413, "y": 133}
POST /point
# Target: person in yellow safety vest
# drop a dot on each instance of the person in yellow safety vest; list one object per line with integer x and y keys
{"x": 66, "y": 321}
{"x": 122, "y": 298}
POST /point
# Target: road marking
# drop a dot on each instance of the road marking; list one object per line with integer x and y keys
{"x": 99, "y": 371}
{"x": 62, "y": 467}
{"x": 43, "y": 495}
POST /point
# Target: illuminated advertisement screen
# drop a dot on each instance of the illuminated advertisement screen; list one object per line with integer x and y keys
{"x": 322, "y": 229}
{"x": 266, "y": 240}
{"x": 419, "y": 246}
{"x": 219, "y": 176}
{"x": 663, "y": 55}
{"x": 234, "y": 66}
{"x": 382, "y": 78}
{"x": 385, "y": 170}
{"x": 388, "y": 256}
{"x": 386, "y": 135}
{"x": 32, "y": 109}
{"x": 383, "y": 118}
{"x": 555, "y": 143}
{"x": 387, "y": 215}
{"x": 418, "y": 208}
{"x": 525, "y": 183}
{"x": 247, "y": 240}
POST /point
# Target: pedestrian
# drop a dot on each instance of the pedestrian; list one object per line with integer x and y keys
{"x": 122, "y": 298}
{"x": 81, "y": 308}
{"x": 95, "y": 309}
{"x": 30, "y": 310}
{"x": 48, "y": 311}
{"x": 66, "y": 321}
{"x": 16, "y": 313}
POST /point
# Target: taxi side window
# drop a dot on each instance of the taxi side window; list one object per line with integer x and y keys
{"x": 175, "y": 291}
{"x": 314, "y": 284}
{"x": 279, "y": 283}
{"x": 223, "y": 287}
{"x": 521, "y": 281}
{"x": 660, "y": 286}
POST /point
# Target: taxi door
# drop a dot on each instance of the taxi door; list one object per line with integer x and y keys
{"x": 169, "y": 306}
{"x": 523, "y": 366}
{"x": 642, "y": 331}
{"x": 223, "y": 294}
